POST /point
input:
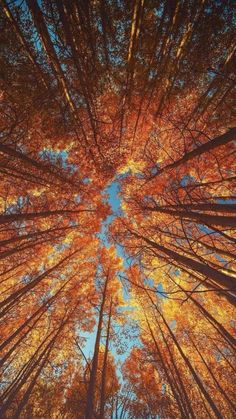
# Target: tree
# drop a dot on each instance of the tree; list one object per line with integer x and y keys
{"x": 139, "y": 95}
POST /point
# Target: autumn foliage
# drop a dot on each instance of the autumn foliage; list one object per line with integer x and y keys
{"x": 117, "y": 305}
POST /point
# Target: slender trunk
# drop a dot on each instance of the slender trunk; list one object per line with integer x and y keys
{"x": 75, "y": 53}
{"x": 197, "y": 379}
{"x": 90, "y": 413}
{"x": 21, "y": 377}
{"x": 180, "y": 404}
{"x": 188, "y": 402}
{"x": 44, "y": 358}
{"x": 224, "y": 281}
{"x": 204, "y": 207}
{"x": 218, "y": 326}
{"x": 23, "y": 247}
{"x": 17, "y": 294}
{"x": 10, "y": 218}
{"x": 33, "y": 235}
{"x": 28, "y": 371}
{"x": 222, "y": 233}
{"x": 224, "y": 394}
{"x": 21, "y": 38}
{"x": 48, "y": 46}
{"x": 207, "y": 219}
{"x": 7, "y": 150}
{"x": 223, "y": 252}
{"x": 104, "y": 369}
{"x": 210, "y": 145}
{"x": 41, "y": 310}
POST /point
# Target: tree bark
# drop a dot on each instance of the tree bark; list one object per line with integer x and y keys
{"x": 209, "y": 146}
{"x": 224, "y": 281}
{"x": 90, "y": 413}
{"x": 104, "y": 369}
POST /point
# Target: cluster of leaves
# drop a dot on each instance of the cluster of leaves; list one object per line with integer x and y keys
{"x": 141, "y": 93}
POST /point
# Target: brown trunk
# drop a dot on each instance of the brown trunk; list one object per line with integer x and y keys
{"x": 53, "y": 59}
{"x": 210, "y": 145}
{"x": 233, "y": 407}
{"x": 41, "y": 310}
{"x": 197, "y": 379}
{"x": 90, "y": 413}
{"x": 207, "y": 219}
{"x": 223, "y": 252}
{"x": 29, "y": 390}
{"x": 36, "y": 234}
{"x": 218, "y": 326}
{"x": 10, "y": 218}
{"x": 177, "y": 372}
{"x": 17, "y": 294}
{"x": 224, "y": 281}
{"x": 21, "y": 38}
{"x": 104, "y": 369}
{"x": 212, "y": 207}
{"x": 7, "y": 150}
{"x": 32, "y": 365}
{"x": 182, "y": 408}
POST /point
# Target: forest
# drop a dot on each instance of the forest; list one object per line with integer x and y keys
{"x": 117, "y": 209}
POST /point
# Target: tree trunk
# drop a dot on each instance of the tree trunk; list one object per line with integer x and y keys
{"x": 210, "y": 145}
{"x": 104, "y": 369}
{"x": 90, "y": 413}
{"x": 207, "y": 219}
{"x": 224, "y": 281}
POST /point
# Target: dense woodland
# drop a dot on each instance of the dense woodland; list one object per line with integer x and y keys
{"x": 137, "y": 92}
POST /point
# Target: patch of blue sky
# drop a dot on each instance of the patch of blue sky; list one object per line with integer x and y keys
{"x": 114, "y": 199}
{"x": 90, "y": 338}
{"x": 122, "y": 254}
{"x": 26, "y": 279}
{"x": 129, "y": 344}
{"x": 86, "y": 180}
{"x": 161, "y": 291}
{"x": 103, "y": 235}
{"x": 73, "y": 223}
{"x": 211, "y": 92}
{"x": 120, "y": 356}
{"x": 42, "y": 299}
{"x": 206, "y": 229}
{"x": 20, "y": 203}
{"x": 158, "y": 11}
{"x": 61, "y": 247}
{"x": 228, "y": 201}
{"x": 232, "y": 323}
{"x": 177, "y": 272}
{"x": 139, "y": 175}
{"x": 78, "y": 199}
{"x": 58, "y": 157}
{"x": 154, "y": 169}
{"x": 149, "y": 282}
{"x": 152, "y": 74}
{"x": 226, "y": 351}
{"x": 186, "y": 180}
{"x": 111, "y": 196}
{"x": 211, "y": 74}
{"x": 163, "y": 388}
{"x": 173, "y": 325}
{"x": 221, "y": 259}
{"x": 147, "y": 198}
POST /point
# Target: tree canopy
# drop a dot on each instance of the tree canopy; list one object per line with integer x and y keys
{"x": 117, "y": 209}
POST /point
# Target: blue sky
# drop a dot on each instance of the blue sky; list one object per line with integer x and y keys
{"x": 112, "y": 196}
{"x": 114, "y": 200}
